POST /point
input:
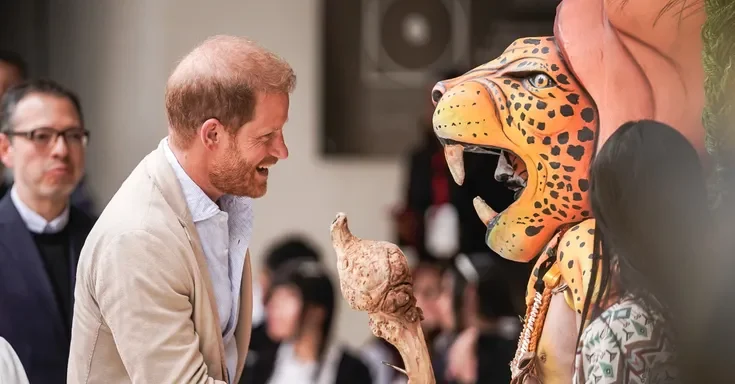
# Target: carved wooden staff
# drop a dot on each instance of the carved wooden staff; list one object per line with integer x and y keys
{"x": 374, "y": 277}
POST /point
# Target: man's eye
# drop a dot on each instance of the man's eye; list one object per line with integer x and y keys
{"x": 42, "y": 136}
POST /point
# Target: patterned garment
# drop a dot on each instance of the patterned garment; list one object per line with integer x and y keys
{"x": 626, "y": 344}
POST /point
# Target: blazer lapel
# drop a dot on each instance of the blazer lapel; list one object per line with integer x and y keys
{"x": 26, "y": 260}
{"x": 165, "y": 179}
{"x": 244, "y": 323}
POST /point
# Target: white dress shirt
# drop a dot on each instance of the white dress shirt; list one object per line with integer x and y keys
{"x": 289, "y": 369}
{"x": 11, "y": 369}
{"x": 225, "y": 232}
{"x": 35, "y": 222}
{"x": 258, "y": 310}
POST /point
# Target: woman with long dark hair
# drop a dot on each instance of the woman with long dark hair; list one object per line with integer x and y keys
{"x": 300, "y": 306}
{"x": 649, "y": 201}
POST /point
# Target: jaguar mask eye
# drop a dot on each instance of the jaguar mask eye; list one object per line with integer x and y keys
{"x": 540, "y": 80}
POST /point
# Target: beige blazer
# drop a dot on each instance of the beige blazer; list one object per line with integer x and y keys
{"x": 144, "y": 308}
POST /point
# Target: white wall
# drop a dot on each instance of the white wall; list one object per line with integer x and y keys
{"x": 117, "y": 55}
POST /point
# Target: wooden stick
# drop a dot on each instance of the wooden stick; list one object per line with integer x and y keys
{"x": 374, "y": 277}
{"x": 394, "y": 367}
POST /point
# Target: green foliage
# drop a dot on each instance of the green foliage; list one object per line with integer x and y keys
{"x": 718, "y": 34}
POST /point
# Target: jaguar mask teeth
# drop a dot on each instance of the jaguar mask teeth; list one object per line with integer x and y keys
{"x": 507, "y": 174}
{"x": 484, "y": 212}
{"x": 454, "y": 153}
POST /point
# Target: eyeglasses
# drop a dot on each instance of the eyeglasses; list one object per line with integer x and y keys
{"x": 44, "y": 137}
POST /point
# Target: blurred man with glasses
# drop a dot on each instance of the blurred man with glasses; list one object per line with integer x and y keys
{"x": 13, "y": 71}
{"x": 43, "y": 140}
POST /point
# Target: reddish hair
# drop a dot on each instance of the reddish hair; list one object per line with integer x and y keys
{"x": 220, "y": 79}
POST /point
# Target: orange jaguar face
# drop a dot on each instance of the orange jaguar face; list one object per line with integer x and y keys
{"x": 527, "y": 106}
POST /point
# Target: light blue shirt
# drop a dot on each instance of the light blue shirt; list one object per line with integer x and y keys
{"x": 35, "y": 222}
{"x": 225, "y": 233}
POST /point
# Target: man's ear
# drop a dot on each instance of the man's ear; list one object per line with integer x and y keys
{"x": 6, "y": 151}
{"x": 211, "y": 133}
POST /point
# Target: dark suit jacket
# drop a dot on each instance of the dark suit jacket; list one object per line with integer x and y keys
{"x": 29, "y": 316}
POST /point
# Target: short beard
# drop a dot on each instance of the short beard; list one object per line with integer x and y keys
{"x": 233, "y": 175}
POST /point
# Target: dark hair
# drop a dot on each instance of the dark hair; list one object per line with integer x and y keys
{"x": 494, "y": 294}
{"x": 16, "y": 61}
{"x": 467, "y": 270}
{"x": 649, "y": 202}
{"x": 16, "y": 94}
{"x": 287, "y": 249}
{"x": 312, "y": 281}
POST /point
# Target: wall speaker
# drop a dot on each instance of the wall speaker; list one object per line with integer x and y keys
{"x": 405, "y": 41}
{"x": 381, "y": 58}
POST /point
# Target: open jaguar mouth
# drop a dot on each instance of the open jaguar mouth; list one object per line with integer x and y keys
{"x": 511, "y": 171}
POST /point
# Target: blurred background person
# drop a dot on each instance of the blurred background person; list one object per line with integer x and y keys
{"x": 300, "y": 312}
{"x": 427, "y": 276}
{"x": 477, "y": 300}
{"x": 483, "y": 350}
{"x": 290, "y": 247}
{"x": 13, "y": 71}
{"x": 287, "y": 248}
{"x": 44, "y": 141}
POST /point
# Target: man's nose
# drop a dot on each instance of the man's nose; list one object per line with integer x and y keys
{"x": 280, "y": 150}
{"x": 59, "y": 147}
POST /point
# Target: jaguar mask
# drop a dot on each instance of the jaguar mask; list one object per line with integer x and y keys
{"x": 526, "y": 106}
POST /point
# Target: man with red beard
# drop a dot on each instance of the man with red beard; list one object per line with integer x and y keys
{"x": 164, "y": 285}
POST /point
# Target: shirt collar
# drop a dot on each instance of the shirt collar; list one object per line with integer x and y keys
{"x": 200, "y": 205}
{"x": 35, "y": 222}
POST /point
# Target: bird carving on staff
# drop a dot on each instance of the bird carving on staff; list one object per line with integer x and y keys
{"x": 374, "y": 277}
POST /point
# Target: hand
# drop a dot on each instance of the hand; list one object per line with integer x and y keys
{"x": 462, "y": 359}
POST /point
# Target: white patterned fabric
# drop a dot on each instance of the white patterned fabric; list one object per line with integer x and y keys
{"x": 626, "y": 344}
